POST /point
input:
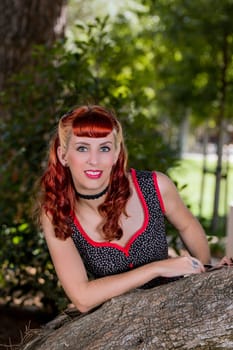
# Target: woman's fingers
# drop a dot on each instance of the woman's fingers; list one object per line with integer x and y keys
{"x": 226, "y": 261}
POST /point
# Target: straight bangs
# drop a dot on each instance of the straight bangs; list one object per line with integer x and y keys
{"x": 92, "y": 124}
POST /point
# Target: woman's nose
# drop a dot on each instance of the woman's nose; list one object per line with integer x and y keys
{"x": 93, "y": 158}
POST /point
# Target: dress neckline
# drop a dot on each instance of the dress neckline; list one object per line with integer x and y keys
{"x": 125, "y": 248}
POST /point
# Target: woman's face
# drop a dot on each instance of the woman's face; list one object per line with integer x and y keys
{"x": 90, "y": 161}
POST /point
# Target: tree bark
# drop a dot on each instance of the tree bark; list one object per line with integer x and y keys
{"x": 24, "y": 23}
{"x": 195, "y": 312}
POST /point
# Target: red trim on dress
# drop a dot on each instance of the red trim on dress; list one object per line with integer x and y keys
{"x": 145, "y": 208}
{"x": 158, "y": 192}
{"x": 90, "y": 240}
{"x": 125, "y": 249}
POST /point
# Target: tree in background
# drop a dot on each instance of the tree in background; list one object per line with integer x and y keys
{"x": 23, "y": 24}
{"x": 196, "y": 69}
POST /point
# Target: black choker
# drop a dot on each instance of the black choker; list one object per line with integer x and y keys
{"x": 92, "y": 196}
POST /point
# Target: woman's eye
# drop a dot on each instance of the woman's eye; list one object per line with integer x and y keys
{"x": 105, "y": 149}
{"x": 82, "y": 149}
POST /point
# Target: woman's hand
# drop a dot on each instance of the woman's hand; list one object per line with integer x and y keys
{"x": 180, "y": 266}
{"x": 225, "y": 261}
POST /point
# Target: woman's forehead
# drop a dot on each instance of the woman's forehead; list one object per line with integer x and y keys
{"x": 93, "y": 140}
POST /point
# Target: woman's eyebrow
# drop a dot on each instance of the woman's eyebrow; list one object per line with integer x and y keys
{"x": 106, "y": 142}
{"x": 81, "y": 143}
{"x": 88, "y": 143}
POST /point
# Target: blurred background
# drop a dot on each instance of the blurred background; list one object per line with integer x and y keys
{"x": 164, "y": 66}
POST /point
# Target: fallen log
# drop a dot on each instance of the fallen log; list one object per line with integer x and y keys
{"x": 195, "y": 312}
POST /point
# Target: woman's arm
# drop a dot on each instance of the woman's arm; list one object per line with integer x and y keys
{"x": 190, "y": 230}
{"x": 85, "y": 294}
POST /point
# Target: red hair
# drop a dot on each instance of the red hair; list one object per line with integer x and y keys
{"x": 58, "y": 195}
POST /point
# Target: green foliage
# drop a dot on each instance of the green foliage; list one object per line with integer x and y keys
{"x": 27, "y": 274}
{"x": 99, "y": 66}
{"x": 195, "y": 56}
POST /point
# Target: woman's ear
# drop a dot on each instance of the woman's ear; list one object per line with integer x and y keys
{"x": 61, "y": 156}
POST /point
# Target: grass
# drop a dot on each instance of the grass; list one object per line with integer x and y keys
{"x": 188, "y": 176}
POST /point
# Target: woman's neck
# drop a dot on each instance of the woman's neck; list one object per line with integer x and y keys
{"x": 89, "y": 204}
{"x": 93, "y": 196}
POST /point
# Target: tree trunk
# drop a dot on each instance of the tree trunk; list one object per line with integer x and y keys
{"x": 195, "y": 312}
{"x": 221, "y": 124}
{"x": 24, "y": 23}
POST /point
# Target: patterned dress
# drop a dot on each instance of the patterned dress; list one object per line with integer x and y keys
{"x": 148, "y": 244}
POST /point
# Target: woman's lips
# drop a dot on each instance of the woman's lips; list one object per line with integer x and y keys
{"x": 93, "y": 174}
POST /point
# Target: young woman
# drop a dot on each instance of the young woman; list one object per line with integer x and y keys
{"x": 101, "y": 220}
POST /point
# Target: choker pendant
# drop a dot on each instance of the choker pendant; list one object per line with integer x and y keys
{"x": 92, "y": 196}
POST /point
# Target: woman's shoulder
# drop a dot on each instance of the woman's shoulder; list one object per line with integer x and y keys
{"x": 166, "y": 185}
{"x": 162, "y": 178}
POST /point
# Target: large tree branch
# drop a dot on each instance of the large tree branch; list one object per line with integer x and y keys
{"x": 195, "y": 312}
